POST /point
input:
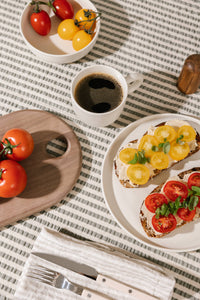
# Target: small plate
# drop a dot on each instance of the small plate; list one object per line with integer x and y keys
{"x": 52, "y": 48}
{"x": 124, "y": 203}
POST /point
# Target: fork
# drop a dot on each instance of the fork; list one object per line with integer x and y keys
{"x": 59, "y": 281}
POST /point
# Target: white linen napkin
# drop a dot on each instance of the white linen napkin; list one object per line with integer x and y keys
{"x": 132, "y": 271}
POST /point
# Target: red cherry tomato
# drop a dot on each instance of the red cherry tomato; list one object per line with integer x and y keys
{"x": 64, "y": 9}
{"x": 164, "y": 224}
{"x": 194, "y": 180}
{"x": 173, "y": 189}
{"x": 13, "y": 178}
{"x": 186, "y": 214}
{"x": 154, "y": 201}
{"x": 41, "y": 22}
{"x": 18, "y": 144}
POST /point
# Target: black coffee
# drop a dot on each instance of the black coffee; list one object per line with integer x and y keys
{"x": 98, "y": 93}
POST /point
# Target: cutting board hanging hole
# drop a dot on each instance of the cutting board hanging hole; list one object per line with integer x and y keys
{"x": 57, "y": 147}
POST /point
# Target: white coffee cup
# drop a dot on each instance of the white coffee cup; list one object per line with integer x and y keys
{"x": 128, "y": 85}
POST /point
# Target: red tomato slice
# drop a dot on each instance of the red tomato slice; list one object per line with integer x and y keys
{"x": 186, "y": 214}
{"x": 154, "y": 201}
{"x": 173, "y": 189}
{"x": 194, "y": 180}
{"x": 164, "y": 224}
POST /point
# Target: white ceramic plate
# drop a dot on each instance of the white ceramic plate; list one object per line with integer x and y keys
{"x": 52, "y": 48}
{"x": 124, "y": 203}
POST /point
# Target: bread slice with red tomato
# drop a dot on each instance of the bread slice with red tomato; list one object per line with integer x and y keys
{"x": 160, "y": 148}
{"x": 172, "y": 204}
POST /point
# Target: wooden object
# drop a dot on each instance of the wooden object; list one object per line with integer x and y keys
{"x": 189, "y": 79}
{"x": 49, "y": 178}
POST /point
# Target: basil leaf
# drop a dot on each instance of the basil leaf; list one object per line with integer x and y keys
{"x": 155, "y": 148}
{"x": 134, "y": 160}
{"x": 171, "y": 207}
{"x": 194, "y": 200}
{"x": 184, "y": 204}
{"x": 178, "y": 140}
{"x": 166, "y": 147}
{"x": 157, "y": 212}
{"x": 167, "y": 212}
{"x": 196, "y": 189}
{"x": 141, "y": 157}
{"x": 190, "y": 192}
{"x": 177, "y": 202}
{"x": 163, "y": 209}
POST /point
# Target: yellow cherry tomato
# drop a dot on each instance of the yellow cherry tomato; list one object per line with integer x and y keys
{"x": 138, "y": 174}
{"x": 160, "y": 160}
{"x": 67, "y": 29}
{"x": 165, "y": 132}
{"x": 85, "y": 19}
{"x": 178, "y": 151}
{"x": 188, "y": 132}
{"x": 80, "y": 40}
{"x": 146, "y": 144}
{"x": 127, "y": 154}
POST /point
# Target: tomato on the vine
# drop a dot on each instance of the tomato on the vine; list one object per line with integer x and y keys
{"x": 86, "y": 19}
{"x": 81, "y": 39}
{"x": 67, "y": 29}
{"x": 18, "y": 144}
{"x": 40, "y": 22}
{"x": 13, "y": 179}
{"x": 62, "y": 9}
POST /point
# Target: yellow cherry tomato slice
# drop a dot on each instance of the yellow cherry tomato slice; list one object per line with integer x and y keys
{"x": 165, "y": 132}
{"x": 188, "y": 132}
{"x": 80, "y": 40}
{"x": 127, "y": 154}
{"x": 138, "y": 174}
{"x": 178, "y": 151}
{"x": 160, "y": 160}
{"x": 85, "y": 19}
{"x": 146, "y": 144}
{"x": 67, "y": 29}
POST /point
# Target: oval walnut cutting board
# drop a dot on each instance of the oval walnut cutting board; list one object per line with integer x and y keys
{"x": 50, "y": 179}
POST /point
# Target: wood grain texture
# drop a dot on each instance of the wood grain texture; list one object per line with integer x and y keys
{"x": 50, "y": 179}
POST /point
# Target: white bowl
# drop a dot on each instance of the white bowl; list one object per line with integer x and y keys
{"x": 52, "y": 48}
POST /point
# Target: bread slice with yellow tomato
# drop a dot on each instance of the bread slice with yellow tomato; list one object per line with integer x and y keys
{"x": 158, "y": 149}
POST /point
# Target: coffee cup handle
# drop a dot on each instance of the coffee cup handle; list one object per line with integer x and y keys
{"x": 134, "y": 80}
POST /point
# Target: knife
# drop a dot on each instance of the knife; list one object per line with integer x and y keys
{"x": 91, "y": 273}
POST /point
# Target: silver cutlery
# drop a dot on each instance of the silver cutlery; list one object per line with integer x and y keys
{"x": 59, "y": 281}
{"x": 92, "y": 273}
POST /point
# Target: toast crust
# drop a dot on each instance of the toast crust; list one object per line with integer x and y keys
{"x": 156, "y": 172}
{"x": 147, "y": 228}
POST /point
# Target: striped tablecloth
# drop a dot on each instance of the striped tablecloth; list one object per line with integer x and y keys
{"x": 149, "y": 36}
